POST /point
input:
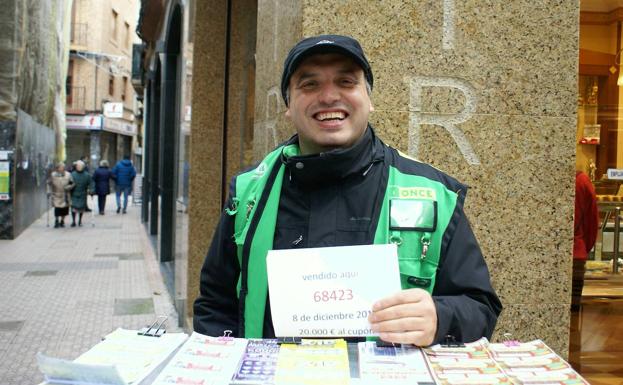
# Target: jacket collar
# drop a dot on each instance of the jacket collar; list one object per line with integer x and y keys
{"x": 331, "y": 166}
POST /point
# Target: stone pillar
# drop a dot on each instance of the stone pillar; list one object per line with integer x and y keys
{"x": 485, "y": 92}
{"x": 221, "y": 128}
{"x": 206, "y": 153}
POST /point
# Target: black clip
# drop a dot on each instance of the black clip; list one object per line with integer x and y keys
{"x": 289, "y": 340}
{"x": 384, "y": 344}
{"x": 226, "y": 336}
{"x": 156, "y": 329}
{"x": 451, "y": 342}
{"x": 508, "y": 341}
{"x": 319, "y": 342}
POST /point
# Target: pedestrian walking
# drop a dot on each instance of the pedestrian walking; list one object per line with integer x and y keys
{"x": 85, "y": 159}
{"x": 123, "y": 174}
{"x": 60, "y": 184}
{"x": 83, "y": 187}
{"x": 101, "y": 179}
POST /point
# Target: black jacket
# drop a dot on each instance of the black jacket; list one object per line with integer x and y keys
{"x": 334, "y": 200}
{"x": 101, "y": 177}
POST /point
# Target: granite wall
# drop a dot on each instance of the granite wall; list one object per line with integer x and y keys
{"x": 483, "y": 90}
{"x": 206, "y": 142}
{"x": 222, "y": 121}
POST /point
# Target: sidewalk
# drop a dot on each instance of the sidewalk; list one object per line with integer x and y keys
{"x": 62, "y": 289}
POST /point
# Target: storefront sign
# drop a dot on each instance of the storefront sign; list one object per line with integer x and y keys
{"x": 5, "y": 185}
{"x": 615, "y": 173}
{"x": 119, "y": 126}
{"x": 329, "y": 291}
{"x": 113, "y": 110}
{"x": 83, "y": 122}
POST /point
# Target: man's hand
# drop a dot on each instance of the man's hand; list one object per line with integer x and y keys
{"x": 407, "y": 317}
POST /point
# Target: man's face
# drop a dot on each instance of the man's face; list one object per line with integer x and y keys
{"x": 329, "y": 103}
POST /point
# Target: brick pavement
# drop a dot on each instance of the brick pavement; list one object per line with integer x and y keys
{"x": 62, "y": 289}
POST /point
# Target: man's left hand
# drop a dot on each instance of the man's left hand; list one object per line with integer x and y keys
{"x": 407, "y": 317}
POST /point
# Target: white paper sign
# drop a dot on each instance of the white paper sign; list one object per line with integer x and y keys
{"x": 113, "y": 110}
{"x": 614, "y": 173}
{"x": 329, "y": 291}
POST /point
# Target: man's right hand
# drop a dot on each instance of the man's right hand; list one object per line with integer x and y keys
{"x": 407, "y": 317}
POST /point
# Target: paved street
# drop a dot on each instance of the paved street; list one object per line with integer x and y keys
{"x": 63, "y": 289}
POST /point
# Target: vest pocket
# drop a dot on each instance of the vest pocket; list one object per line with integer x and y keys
{"x": 412, "y": 276}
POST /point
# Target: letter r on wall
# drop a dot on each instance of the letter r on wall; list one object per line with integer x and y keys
{"x": 272, "y": 99}
{"x": 448, "y": 121}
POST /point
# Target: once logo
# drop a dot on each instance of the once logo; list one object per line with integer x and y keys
{"x": 412, "y": 192}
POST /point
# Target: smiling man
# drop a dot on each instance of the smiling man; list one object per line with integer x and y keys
{"x": 335, "y": 183}
{"x": 329, "y": 104}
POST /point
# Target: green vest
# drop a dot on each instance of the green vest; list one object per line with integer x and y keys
{"x": 418, "y": 250}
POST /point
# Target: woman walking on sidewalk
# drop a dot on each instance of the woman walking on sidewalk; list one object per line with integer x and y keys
{"x": 83, "y": 187}
{"x": 102, "y": 177}
{"x": 59, "y": 187}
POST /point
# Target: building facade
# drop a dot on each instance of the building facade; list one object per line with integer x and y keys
{"x": 33, "y": 63}
{"x": 164, "y": 76}
{"x": 101, "y": 102}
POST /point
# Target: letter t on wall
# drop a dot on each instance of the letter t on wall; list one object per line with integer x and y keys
{"x": 448, "y": 121}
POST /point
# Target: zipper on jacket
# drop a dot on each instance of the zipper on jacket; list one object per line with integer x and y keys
{"x": 297, "y": 240}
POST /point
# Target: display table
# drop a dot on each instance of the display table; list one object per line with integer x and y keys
{"x": 224, "y": 360}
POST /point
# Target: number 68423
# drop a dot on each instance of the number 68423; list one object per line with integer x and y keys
{"x": 333, "y": 295}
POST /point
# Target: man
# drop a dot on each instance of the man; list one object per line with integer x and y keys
{"x": 85, "y": 160}
{"x": 335, "y": 183}
{"x": 123, "y": 173}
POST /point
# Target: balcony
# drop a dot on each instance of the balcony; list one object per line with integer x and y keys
{"x": 75, "y": 102}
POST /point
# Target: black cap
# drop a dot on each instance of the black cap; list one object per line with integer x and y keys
{"x": 321, "y": 44}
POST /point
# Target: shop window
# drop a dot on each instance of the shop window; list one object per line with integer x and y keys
{"x": 597, "y": 112}
{"x": 128, "y": 36}
{"x": 111, "y": 84}
{"x": 124, "y": 88}
{"x": 113, "y": 25}
{"x": 69, "y": 82}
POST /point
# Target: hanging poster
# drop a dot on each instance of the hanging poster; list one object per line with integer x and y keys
{"x": 5, "y": 186}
